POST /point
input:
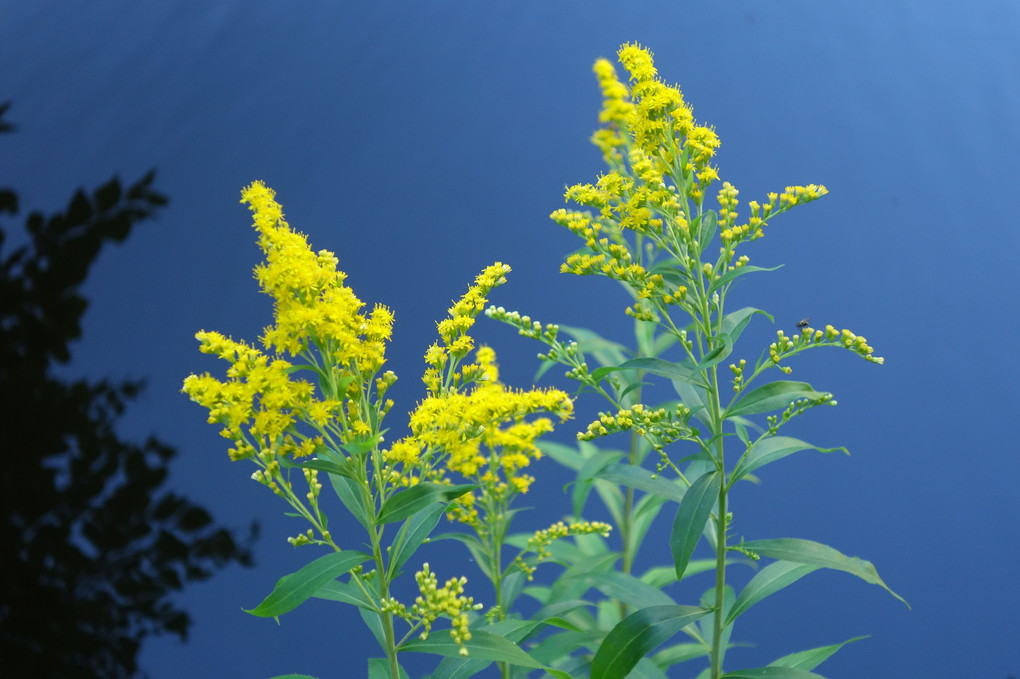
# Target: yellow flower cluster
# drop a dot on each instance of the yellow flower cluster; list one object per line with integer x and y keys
{"x": 436, "y": 602}
{"x": 481, "y": 430}
{"x": 453, "y": 330}
{"x": 260, "y": 404}
{"x": 469, "y": 420}
{"x": 660, "y": 162}
{"x": 311, "y": 303}
{"x": 777, "y": 204}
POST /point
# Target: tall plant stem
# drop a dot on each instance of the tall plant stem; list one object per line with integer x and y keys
{"x": 720, "y": 548}
{"x": 389, "y": 637}
{"x": 720, "y": 585}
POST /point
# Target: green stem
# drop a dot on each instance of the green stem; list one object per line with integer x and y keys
{"x": 720, "y": 549}
{"x": 389, "y": 637}
{"x": 720, "y": 585}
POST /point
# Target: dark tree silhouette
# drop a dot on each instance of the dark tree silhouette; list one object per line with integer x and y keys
{"x": 90, "y": 548}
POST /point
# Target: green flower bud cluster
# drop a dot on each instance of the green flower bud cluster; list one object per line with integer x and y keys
{"x": 810, "y": 337}
{"x": 660, "y": 427}
{"x": 738, "y": 374}
{"x": 539, "y": 543}
{"x": 796, "y": 408}
{"x": 525, "y": 326}
{"x": 568, "y": 354}
{"x": 434, "y": 602}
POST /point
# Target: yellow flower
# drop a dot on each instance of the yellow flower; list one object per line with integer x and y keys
{"x": 312, "y": 304}
{"x": 638, "y": 62}
{"x": 260, "y": 405}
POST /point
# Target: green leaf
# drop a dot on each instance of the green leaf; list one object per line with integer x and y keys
{"x": 587, "y": 475}
{"x": 349, "y": 492}
{"x": 771, "y": 396}
{"x": 629, "y": 589}
{"x": 639, "y": 634}
{"x": 407, "y": 502}
{"x": 319, "y": 464}
{"x": 463, "y": 668}
{"x": 344, "y": 592}
{"x": 291, "y": 590}
{"x": 679, "y": 653}
{"x": 561, "y": 608}
{"x": 810, "y": 552}
{"x": 733, "y": 323}
{"x": 642, "y": 479}
{"x": 770, "y": 449}
{"x": 513, "y": 584}
{"x": 413, "y": 533}
{"x": 568, "y": 456}
{"x": 660, "y": 367}
{"x": 606, "y": 352}
{"x": 482, "y": 646}
{"x": 379, "y": 668}
{"x": 717, "y": 355}
{"x": 691, "y": 517}
{"x": 645, "y": 512}
{"x": 707, "y": 225}
{"x": 739, "y": 271}
{"x": 767, "y": 582}
{"x": 772, "y": 673}
{"x": 810, "y": 659}
{"x": 691, "y": 396}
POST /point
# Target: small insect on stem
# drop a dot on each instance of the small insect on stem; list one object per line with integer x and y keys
{"x": 803, "y": 323}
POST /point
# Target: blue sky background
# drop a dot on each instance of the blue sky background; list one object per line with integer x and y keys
{"x": 423, "y": 141}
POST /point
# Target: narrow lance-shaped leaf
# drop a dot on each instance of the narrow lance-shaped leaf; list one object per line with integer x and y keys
{"x": 767, "y": 582}
{"x": 645, "y": 512}
{"x": 717, "y": 355}
{"x": 349, "y": 492}
{"x": 811, "y": 658}
{"x": 482, "y": 646}
{"x": 322, "y": 465}
{"x": 772, "y": 673}
{"x": 606, "y": 352}
{"x": 407, "y": 502}
{"x": 810, "y": 552}
{"x": 691, "y": 397}
{"x": 628, "y": 589}
{"x": 771, "y": 449}
{"x": 291, "y": 590}
{"x": 587, "y": 476}
{"x": 691, "y": 517}
{"x": 639, "y": 634}
{"x": 379, "y": 668}
{"x": 642, "y": 479}
{"x": 656, "y": 366}
{"x": 413, "y": 533}
{"x": 347, "y": 593}
{"x": 707, "y": 227}
{"x": 727, "y": 277}
{"x": 733, "y": 323}
{"x": 772, "y": 396}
